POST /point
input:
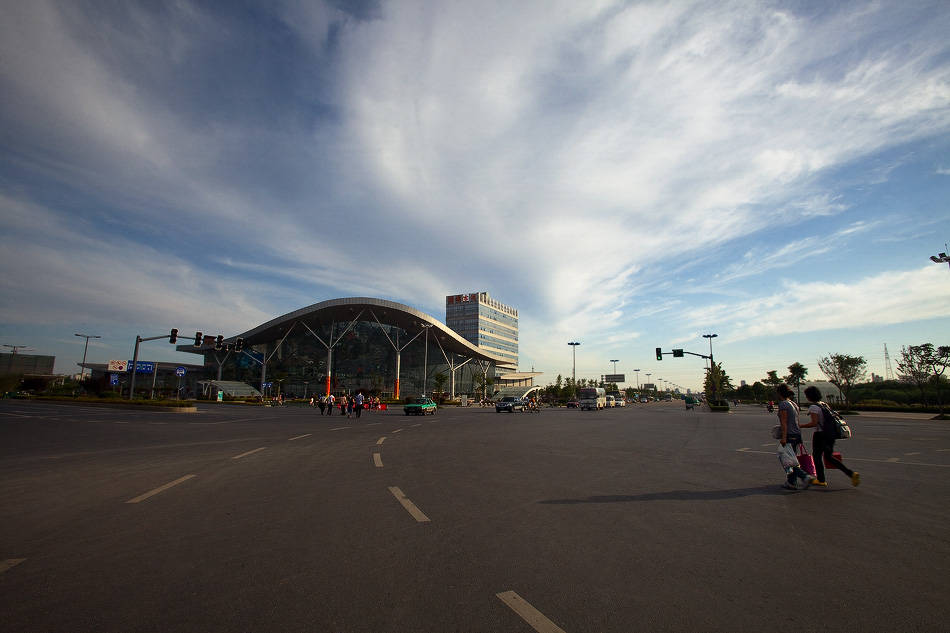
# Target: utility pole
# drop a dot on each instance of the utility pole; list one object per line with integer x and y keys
{"x": 82, "y": 370}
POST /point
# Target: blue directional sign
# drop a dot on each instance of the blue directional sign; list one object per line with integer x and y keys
{"x": 143, "y": 367}
{"x": 113, "y": 379}
{"x": 179, "y": 371}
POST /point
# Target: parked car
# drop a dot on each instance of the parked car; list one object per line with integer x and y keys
{"x": 419, "y": 405}
{"x": 509, "y": 404}
{"x": 573, "y": 404}
{"x": 644, "y": 399}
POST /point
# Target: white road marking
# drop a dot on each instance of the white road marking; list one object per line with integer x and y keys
{"x": 943, "y": 450}
{"x": 10, "y": 562}
{"x": 768, "y": 444}
{"x": 374, "y": 424}
{"x": 340, "y": 428}
{"x": 417, "y": 424}
{"x": 15, "y": 415}
{"x": 154, "y": 492}
{"x": 410, "y": 507}
{"x": 909, "y": 454}
{"x": 378, "y": 460}
{"x": 300, "y": 437}
{"x": 380, "y": 440}
{"x": 892, "y": 460}
{"x": 529, "y": 614}
{"x": 396, "y": 431}
{"x": 256, "y": 450}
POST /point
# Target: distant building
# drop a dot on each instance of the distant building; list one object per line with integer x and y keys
{"x": 876, "y": 378}
{"x": 487, "y": 324}
{"x": 27, "y": 364}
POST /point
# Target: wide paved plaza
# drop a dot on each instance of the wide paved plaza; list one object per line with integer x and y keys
{"x": 648, "y": 518}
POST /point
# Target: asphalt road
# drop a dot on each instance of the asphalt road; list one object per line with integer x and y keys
{"x": 649, "y": 518}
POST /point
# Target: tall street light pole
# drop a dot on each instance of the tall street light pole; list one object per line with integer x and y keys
{"x": 615, "y": 361}
{"x": 82, "y": 371}
{"x": 942, "y": 258}
{"x": 574, "y": 345}
{"x": 710, "y": 337}
{"x": 638, "y": 378}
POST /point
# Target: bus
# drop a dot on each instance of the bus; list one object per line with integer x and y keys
{"x": 592, "y": 398}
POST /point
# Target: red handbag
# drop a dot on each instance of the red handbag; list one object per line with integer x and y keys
{"x": 806, "y": 461}
{"x": 828, "y": 464}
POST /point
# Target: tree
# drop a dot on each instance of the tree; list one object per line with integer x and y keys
{"x": 772, "y": 379}
{"x": 914, "y": 366}
{"x": 796, "y": 374}
{"x": 439, "y": 381}
{"x": 717, "y": 382}
{"x": 843, "y": 371}
{"x": 922, "y": 364}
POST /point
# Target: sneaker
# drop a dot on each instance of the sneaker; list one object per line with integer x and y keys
{"x": 823, "y": 484}
{"x": 855, "y": 478}
{"x": 788, "y": 486}
{"x": 803, "y": 483}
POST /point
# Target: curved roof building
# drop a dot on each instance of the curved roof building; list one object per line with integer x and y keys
{"x": 358, "y": 343}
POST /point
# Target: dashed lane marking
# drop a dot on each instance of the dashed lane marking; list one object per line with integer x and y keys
{"x": 9, "y": 563}
{"x": 909, "y": 454}
{"x": 374, "y": 424}
{"x": 528, "y": 613}
{"x": 380, "y": 441}
{"x": 397, "y": 431}
{"x": 340, "y": 428}
{"x": 152, "y": 493}
{"x": 256, "y": 450}
{"x": 893, "y": 459}
{"x": 417, "y": 424}
{"x": 743, "y": 450}
{"x": 410, "y": 507}
{"x": 300, "y": 437}
{"x": 377, "y": 460}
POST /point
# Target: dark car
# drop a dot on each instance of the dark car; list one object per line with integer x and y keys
{"x": 419, "y": 405}
{"x": 509, "y": 404}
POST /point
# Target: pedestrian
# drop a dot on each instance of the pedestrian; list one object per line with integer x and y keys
{"x": 358, "y": 404}
{"x": 823, "y": 441}
{"x": 342, "y": 404}
{"x": 322, "y": 403}
{"x": 791, "y": 434}
{"x": 330, "y": 400}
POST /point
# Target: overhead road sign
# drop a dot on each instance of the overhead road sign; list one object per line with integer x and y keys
{"x": 615, "y": 378}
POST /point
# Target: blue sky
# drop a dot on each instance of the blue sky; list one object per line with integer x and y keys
{"x": 627, "y": 174}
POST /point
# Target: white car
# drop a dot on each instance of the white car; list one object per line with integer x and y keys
{"x": 611, "y": 402}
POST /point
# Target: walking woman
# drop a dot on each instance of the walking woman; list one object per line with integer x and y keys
{"x": 823, "y": 442}
{"x": 342, "y": 404}
{"x": 797, "y": 478}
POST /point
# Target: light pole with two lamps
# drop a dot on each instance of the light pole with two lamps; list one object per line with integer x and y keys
{"x": 82, "y": 371}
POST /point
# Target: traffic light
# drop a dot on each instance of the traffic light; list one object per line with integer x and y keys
{"x": 659, "y": 353}
{"x": 219, "y": 342}
{"x": 199, "y": 339}
{"x": 173, "y": 337}
{"x": 239, "y": 345}
{"x": 677, "y": 353}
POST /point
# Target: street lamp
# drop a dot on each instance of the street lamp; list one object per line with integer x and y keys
{"x": 574, "y": 345}
{"x": 82, "y": 371}
{"x": 615, "y": 361}
{"x": 942, "y": 258}
{"x": 710, "y": 337}
{"x": 638, "y": 378}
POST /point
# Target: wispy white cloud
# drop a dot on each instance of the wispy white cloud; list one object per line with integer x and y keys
{"x": 887, "y": 298}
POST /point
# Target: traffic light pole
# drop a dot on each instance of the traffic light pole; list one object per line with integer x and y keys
{"x": 135, "y": 361}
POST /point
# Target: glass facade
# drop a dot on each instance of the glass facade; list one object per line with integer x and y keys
{"x": 485, "y": 322}
{"x": 363, "y": 358}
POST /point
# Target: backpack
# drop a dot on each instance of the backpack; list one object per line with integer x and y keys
{"x": 833, "y": 424}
